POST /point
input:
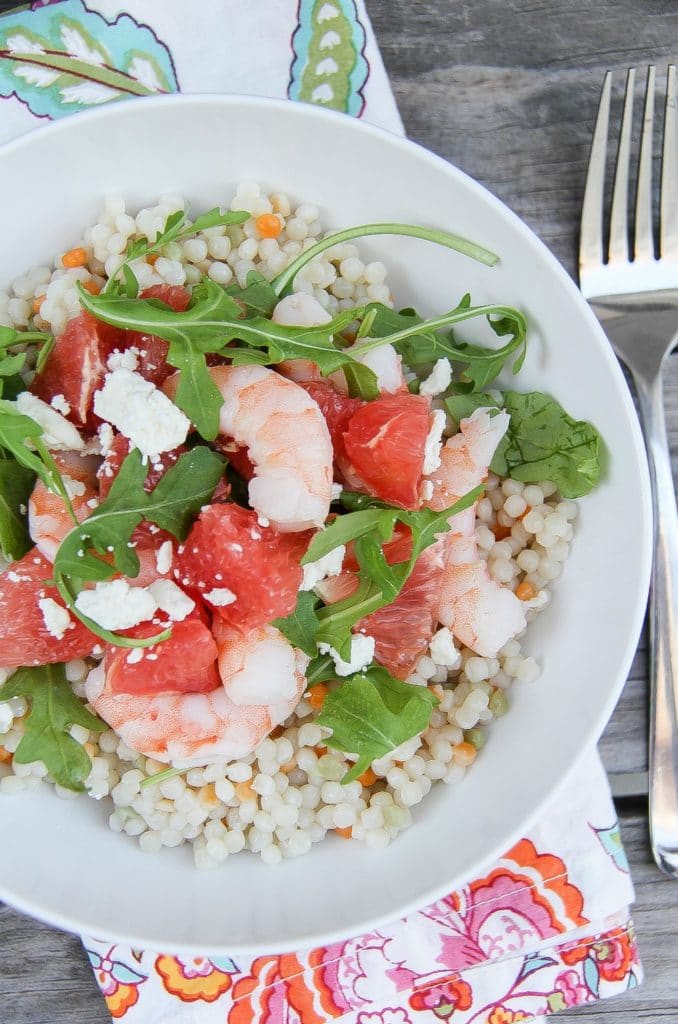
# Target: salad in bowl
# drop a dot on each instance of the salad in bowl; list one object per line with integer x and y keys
{"x": 272, "y": 542}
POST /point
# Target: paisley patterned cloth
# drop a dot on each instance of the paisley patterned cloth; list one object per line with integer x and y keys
{"x": 548, "y": 926}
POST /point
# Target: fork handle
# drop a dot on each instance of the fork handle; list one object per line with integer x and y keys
{"x": 663, "y": 609}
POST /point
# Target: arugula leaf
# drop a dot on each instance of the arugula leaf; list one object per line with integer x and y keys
{"x": 337, "y": 620}
{"x": 10, "y": 338}
{"x": 421, "y": 341}
{"x": 372, "y": 713}
{"x": 171, "y": 505}
{"x": 544, "y": 443}
{"x": 211, "y": 323}
{"x": 379, "y": 582}
{"x": 176, "y": 227}
{"x": 283, "y": 282}
{"x": 320, "y": 669}
{"x": 16, "y": 484}
{"x": 301, "y": 625}
{"x": 257, "y": 297}
{"x": 54, "y": 709}
{"x": 349, "y": 527}
{"x": 22, "y": 437}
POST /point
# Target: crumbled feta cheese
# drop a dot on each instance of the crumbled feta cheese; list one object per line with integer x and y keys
{"x": 539, "y": 601}
{"x": 106, "y": 438}
{"x": 59, "y": 434}
{"x": 329, "y": 565}
{"x": 443, "y": 651}
{"x": 171, "y": 599}
{"x": 6, "y": 717}
{"x": 336, "y": 492}
{"x": 434, "y": 441}
{"x": 135, "y": 655}
{"x": 56, "y": 619}
{"x": 74, "y": 488}
{"x": 163, "y": 557}
{"x": 220, "y": 596}
{"x": 362, "y": 652}
{"x": 426, "y": 490}
{"x": 438, "y": 380}
{"x": 60, "y": 404}
{"x": 92, "y": 503}
{"x": 141, "y": 412}
{"x": 115, "y": 605}
{"x": 129, "y": 359}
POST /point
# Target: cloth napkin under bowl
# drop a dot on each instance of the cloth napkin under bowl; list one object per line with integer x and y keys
{"x": 548, "y": 926}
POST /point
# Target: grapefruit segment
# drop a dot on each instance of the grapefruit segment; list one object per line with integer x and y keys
{"x": 153, "y": 363}
{"x": 385, "y": 444}
{"x": 403, "y": 629}
{"x": 76, "y": 366}
{"x": 228, "y": 550}
{"x": 24, "y": 637}
{"x": 184, "y": 663}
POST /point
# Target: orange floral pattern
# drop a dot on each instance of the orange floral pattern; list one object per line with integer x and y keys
{"x": 192, "y": 980}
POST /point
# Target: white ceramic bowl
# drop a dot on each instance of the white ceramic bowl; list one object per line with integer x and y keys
{"x": 58, "y": 860}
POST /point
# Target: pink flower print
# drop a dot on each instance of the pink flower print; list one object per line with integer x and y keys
{"x": 198, "y": 967}
{"x": 390, "y": 1015}
{"x": 573, "y": 990}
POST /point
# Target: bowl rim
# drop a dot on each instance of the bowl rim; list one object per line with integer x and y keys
{"x": 591, "y": 728}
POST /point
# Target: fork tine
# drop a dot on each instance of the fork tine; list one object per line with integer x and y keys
{"x": 668, "y": 211}
{"x": 644, "y": 243}
{"x": 619, "y": 230}
{"x": 591, "y": 236}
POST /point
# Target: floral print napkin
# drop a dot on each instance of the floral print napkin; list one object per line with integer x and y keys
{"x": 548, "y": 926}
{"x": 545, "y": 928}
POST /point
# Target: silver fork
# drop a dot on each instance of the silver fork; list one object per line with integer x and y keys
{"x": 635, "y": 297}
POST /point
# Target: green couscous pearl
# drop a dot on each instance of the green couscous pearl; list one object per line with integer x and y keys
{"x": 498, "y": 703}
{"x": 476, "y": 737}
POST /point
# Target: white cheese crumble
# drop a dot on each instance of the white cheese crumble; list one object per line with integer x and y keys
{"x": 56, "y": 619}
{"x": 336, "y": 491}
{"x": 74, "y": 488}
{"x": 163, "y": 557}
{"x": 434, "y": 441}
{"x": 141, "y": 413}
{"x": 443, "y": 651}
{"x": 438, "y": 380}
{"x": 426, "y": 490}
{"x": 220, "y": 597}
{"x": 329, "y": 565}
{"x": 171, "y": 599}
{"x": 58, "y": 433}
{"x": 362, "y": 652}
{"x": 129, "y": 359}
{"x": 60, "y": 404}
{"x": 135, "y": 655}
{"x": 106, "y": 438}
{"x": 115, "y": 605}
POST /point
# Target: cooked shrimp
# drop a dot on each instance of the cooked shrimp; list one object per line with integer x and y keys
{"x": 303, "y": 310}
{"x": 287, "y": 440}
{"x": 262, "y": 679}
{"x": 48, "y": 517}
{"x": 482, "y": 613}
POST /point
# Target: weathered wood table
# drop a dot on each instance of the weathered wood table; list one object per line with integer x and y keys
{"x": 507, "y": 90}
